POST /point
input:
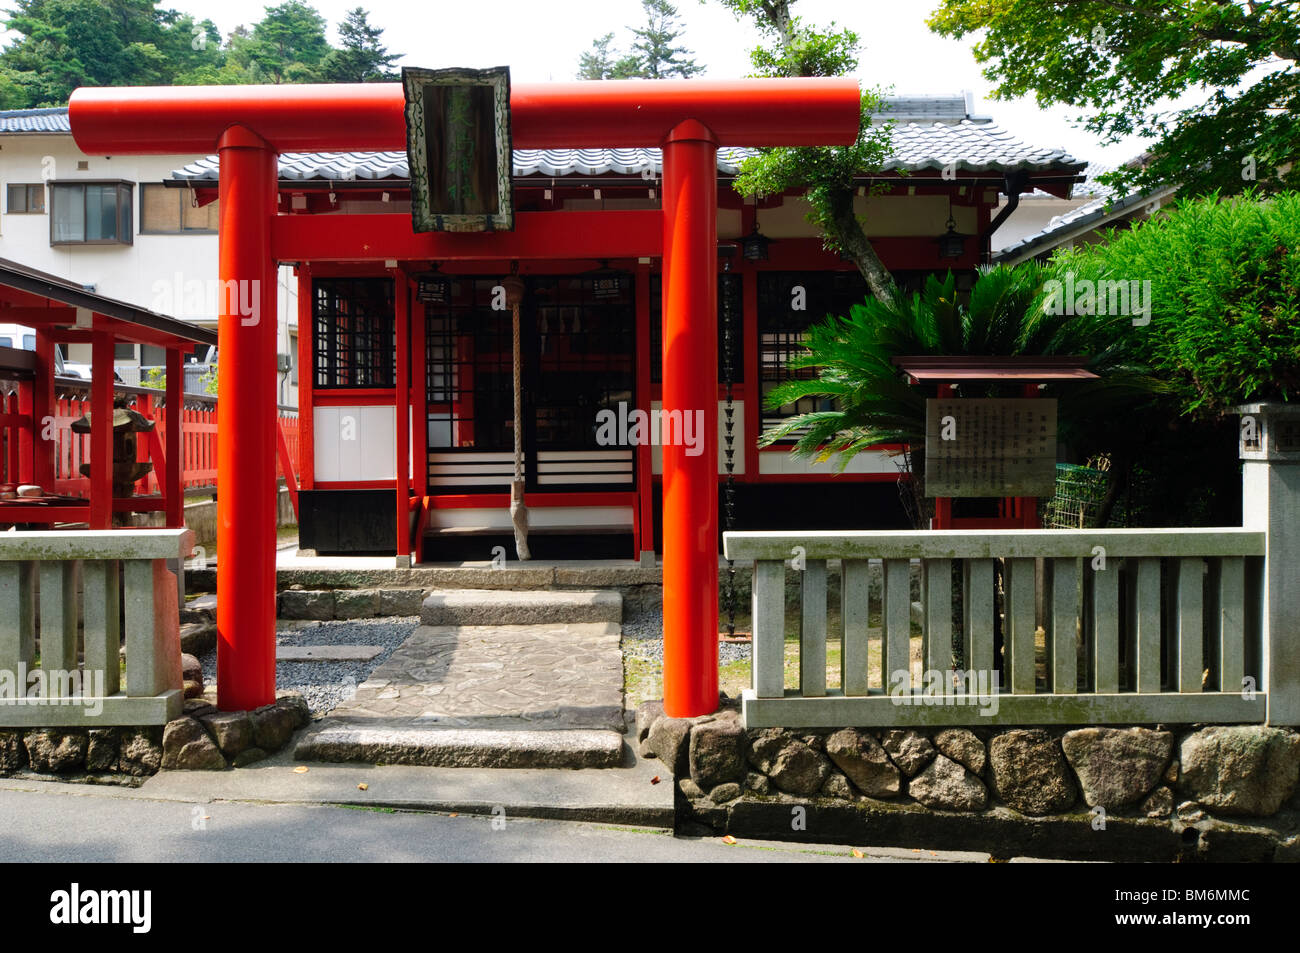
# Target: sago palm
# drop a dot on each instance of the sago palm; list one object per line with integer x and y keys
{"x": 869, "y": 401}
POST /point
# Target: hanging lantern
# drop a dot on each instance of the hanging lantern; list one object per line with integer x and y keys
{"x": 951, "y": 244}
{"x": 754, "y": 245}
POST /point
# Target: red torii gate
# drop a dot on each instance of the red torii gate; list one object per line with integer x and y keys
{"x": 249, "y": 125}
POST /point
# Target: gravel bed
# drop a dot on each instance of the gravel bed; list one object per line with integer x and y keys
{"x": 325, "y": 684}
{"x": 643, "y": 636}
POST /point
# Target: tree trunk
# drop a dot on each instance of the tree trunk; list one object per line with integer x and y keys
{"x": 847, "y": 232}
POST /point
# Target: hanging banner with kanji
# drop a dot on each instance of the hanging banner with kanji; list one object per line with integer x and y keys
{"x": 990, "y": 447}
{"x": 459, "y": 150}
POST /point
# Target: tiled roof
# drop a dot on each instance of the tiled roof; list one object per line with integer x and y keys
{"x": 975, "y": 146}
{"x": 51, "y": 120}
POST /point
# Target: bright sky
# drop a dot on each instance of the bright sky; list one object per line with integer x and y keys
{"x": 542, "y": 41}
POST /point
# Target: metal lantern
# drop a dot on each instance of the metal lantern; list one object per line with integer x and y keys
{"x": 754, "y": 246}
{"x": 952, "y": 245}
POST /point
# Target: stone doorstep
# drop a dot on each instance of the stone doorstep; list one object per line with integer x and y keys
{"x": 327, "y": 653}
{"x": 464, "y": 748}
{"x": 505, "y": 607}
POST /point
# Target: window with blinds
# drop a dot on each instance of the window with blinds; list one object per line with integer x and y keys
{"x": 168, "y": 211}
{"x": 90, "y": 213}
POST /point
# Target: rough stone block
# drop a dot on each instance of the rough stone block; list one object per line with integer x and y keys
{"x": 1117, "y": 767}
{"x": 296, "y": 705}
{"x": 231, "y": 730}
{"x": 272, "y": 727}
{"x": 400, "y": 602}
{"x": 725, "y": 792}
{"x": 102, "y": 749}
{"x": 647, "y": 713}
{"x": 717, "y": 753}
{"x": 963, "y": 746}
{"x": 909, "y": 749}
{"x": 315, "y": 605}
{"x": 187, "y": 747}
{"x": 140, "y": 753}
{"x": 53, "y": 751}
{"x": 13, "y": 754}
{"x": 199, "y": 637}
{"x": 356, "y": 603}
{"x": 669, "y": 739}
{"x": 1240, "y": 769}
{"x": 799, "y": 770}
{"x": 1030, "y": 773}
{"x": 861, "y": 757}
{"x": 945, "y": 785}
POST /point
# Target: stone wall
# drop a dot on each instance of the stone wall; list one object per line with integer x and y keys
{"x": 1177, "y": 791}
{"x": 202, "y": 739}
{"x": 105, "y": 755}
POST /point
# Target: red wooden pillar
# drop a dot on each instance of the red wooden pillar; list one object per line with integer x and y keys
{"x": 246, "y": 424}
{"x": 306, "y": 380}
{"x": 645, "y": 489}
{"x": 26, "y": 438}
{"x": 420, "y": 403}
{"x": 101, "y": 430}
{"x": 690, "y": 385}
{"x": 402, "y": 402}
{"x": 170, "y": 482}
{"x": 44, "y": 435}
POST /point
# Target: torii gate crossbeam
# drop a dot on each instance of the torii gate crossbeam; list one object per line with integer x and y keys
{"x": 249, "y": 125}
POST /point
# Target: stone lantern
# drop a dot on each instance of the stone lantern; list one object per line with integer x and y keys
{"x": 126, "y": 469}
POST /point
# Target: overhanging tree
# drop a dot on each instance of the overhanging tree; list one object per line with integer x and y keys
{"x": 1125, "y": 60}
{"x": 827, "y": 175}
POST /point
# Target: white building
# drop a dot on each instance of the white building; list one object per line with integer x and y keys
{"x": 111, "y": 224}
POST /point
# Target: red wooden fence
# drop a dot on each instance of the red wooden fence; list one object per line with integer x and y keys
{"x": 72, "y": 400}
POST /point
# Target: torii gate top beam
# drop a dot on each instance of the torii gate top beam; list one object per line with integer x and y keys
{"x": 160, "y": 120}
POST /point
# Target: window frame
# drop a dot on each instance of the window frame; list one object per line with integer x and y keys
{"x": 125, "y": 204}
{"x": 182, "y": 193}
{"x": 27, "y": 188}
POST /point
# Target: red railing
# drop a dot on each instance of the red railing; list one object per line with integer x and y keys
{"x": 72, "y": 400}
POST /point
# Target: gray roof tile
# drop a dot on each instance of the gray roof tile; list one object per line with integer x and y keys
{"x": 51, "y": 120}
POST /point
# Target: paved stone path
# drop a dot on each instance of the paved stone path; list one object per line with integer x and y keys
{"x": 503, "y": 677}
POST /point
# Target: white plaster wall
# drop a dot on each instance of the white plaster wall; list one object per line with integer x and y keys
{"x": 142, "y": 273}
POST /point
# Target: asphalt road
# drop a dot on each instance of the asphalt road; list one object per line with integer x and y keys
{"x": 48, "y": 826}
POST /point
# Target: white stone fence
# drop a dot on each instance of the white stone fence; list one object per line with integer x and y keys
{"x": 1137, "y": 626}
{"x": 69, "y": 594}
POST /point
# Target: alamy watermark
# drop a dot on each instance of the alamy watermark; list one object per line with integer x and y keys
{"x": 204, "y": 299}
{"x": 667, "y": 428}
{"x": 978, "y": 688}
{"x": 54, "y": 687}
{"x": 1105, "y": 297}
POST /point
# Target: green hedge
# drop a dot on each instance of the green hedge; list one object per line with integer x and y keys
{"x": 1224, "y": 297}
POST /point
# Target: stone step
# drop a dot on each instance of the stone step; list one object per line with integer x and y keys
{"x": 326, "y": 653}
{"x": 531, "y": 607}
{"x": 461, "y": 748}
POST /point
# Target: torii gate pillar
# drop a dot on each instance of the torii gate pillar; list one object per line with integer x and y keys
{"x": 690, "y": 383}
{"x": 246, "y": 421}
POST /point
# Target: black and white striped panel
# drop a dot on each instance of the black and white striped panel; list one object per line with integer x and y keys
{"x": 601, "y": 467}
{"x": 471, "y": 469}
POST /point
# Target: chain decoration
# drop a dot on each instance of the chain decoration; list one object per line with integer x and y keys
{"x": 729, "y": 412}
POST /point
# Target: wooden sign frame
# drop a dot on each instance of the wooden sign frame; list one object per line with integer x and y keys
{"x": 453, "y": 116}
